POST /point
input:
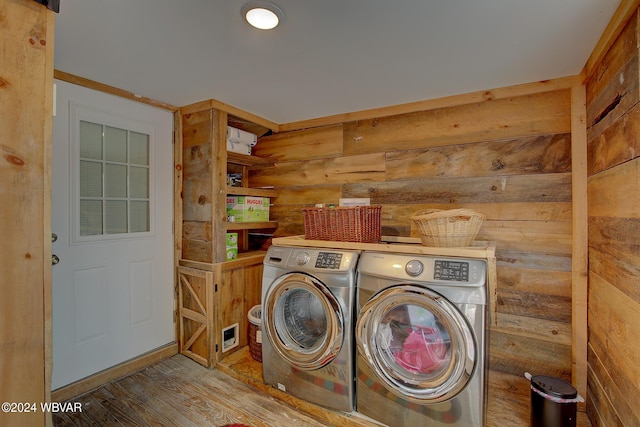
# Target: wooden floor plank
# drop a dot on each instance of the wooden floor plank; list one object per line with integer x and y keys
{"x": 207, "y": 401}
{"x": 151, "y": 395}
{"x": 242, "y": 399}
{"x": 123, "y": 412}
{"x": 185, "y": 401}
{"x": 94, "y": 413}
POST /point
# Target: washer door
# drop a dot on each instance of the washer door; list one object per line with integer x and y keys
{"x": 303, "y": 321}
{"x": 417, "y": 342}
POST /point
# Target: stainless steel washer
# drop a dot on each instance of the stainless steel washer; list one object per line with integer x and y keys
{"x": 308, "y": 315}
{"x": 421, "y": 339}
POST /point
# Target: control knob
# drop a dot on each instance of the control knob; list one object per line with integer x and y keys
{"x": 302, "y": 258}
{"x": 414, "y": 268}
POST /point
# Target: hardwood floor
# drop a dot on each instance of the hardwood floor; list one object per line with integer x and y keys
{"x": 179, "y": 392}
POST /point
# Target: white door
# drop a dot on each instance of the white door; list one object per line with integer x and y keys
{"x": 112, "y": 212}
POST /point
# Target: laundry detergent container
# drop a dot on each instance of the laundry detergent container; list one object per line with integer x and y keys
{"x": 553, "y": 402}
{"x": 255, "y": 332}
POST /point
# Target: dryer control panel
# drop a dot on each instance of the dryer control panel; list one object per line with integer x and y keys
{"x": 311, "y": 259}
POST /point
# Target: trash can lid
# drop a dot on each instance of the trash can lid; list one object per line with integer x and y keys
{"x": 554, "y": 386}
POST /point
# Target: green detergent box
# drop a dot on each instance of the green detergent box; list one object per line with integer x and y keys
{"x": 232, "y": 246}
{"x": 247, "y": 209}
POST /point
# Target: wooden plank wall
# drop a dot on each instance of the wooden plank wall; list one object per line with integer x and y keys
{"x": 613, "y": 117}
{"x": 26, "y": 91}
{"x": 509, "y": 157}
{"x": 197, "y": 136}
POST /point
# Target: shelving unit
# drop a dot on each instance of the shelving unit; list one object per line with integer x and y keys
{"x": 234, "y": 286}
{"x": 205, "y": 164}
{"x": 242, "y": 163}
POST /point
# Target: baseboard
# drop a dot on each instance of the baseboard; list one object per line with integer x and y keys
{"x": 122, "y": 370}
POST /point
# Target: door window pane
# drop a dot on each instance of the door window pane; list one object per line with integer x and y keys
{"x": 90, "y": 140}
{"x": 115, "y": 180}
{"x": 139, "y": 148}
{"x": 90, "y": 179}
{"x": 90, "y": 217}
{"x": 114, "y": 171}
{"x": 139, "y": 182}
{"x": 115, "y": 144}
{"x": 139, "y": 216}
{"x": 115, "y": 216}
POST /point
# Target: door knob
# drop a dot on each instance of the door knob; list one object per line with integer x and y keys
{"x": 54, "y": 237}
{"x": 54, "y": 259}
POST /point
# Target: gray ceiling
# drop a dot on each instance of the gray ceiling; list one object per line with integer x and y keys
{"x": 329, "y": 56}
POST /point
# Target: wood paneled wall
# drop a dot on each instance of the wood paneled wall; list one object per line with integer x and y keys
{"x": 509, "y": 157}
{"x": 198, "y": 169}
{"x": 26, "y": 90}
{"x": 613, "y": 118}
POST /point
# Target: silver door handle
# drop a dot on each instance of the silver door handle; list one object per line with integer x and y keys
{"x": 54, "y": 259}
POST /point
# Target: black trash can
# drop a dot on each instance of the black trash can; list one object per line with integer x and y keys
{"x": 553, "y": 402}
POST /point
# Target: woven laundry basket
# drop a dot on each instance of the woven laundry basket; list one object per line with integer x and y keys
{"x": 448, "y": 228}
{"x": 343, "y": 224}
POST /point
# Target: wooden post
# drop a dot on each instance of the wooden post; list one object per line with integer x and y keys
{"x": 26, "y": 90}
{"x": 579, "y": 257}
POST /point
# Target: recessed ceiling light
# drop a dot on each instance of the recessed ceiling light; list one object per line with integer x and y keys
{"x": 262, "y": 15}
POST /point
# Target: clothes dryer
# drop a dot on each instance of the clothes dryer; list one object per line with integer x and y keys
{"x": 421, "y": 340}
{"x": 308, "y": 316}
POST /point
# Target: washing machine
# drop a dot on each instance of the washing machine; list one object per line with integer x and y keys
{"x": 421, "y": 337}
{"x": 308, "y": 317}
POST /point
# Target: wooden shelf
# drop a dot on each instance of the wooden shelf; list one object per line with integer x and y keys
{"x": 245, "y": 160}
{"x": 246, "y": 191}
{"x": 244, "y": 258}
{"x": 250, "y": 225}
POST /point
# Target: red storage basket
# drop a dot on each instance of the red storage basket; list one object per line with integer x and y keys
{"x": 343, "y": 224}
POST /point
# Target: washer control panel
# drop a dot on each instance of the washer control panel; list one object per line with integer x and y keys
{"x": 451, "y": 270}
{"x": 436, "y": 270}
{"x": 330, "y": 260}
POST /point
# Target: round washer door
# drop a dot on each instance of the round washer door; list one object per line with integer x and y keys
{"x": 417, "y": 342}
{"x": 303, "y": 321}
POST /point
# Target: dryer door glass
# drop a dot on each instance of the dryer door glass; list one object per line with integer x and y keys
{"x": 303, "y": 321}
{"x": 417, "y": 343}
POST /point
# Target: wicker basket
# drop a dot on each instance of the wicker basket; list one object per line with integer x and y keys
{"x": 448, "y": 228}
{"x": 343, "y": 224}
